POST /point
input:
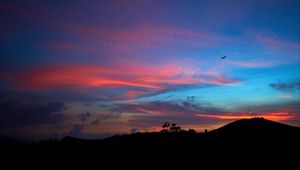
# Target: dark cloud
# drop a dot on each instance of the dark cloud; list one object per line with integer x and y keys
{"x": 84, "y": 116}
{"x": 186, "y": 107}
{"x": 20, "y": 113}
{"x": 105, "y": 117}
{"x": 286, "y": 86}
{"x": 191, "y": 98}
{"x": 76, "y": 130}
{"x": 95, "y": 122}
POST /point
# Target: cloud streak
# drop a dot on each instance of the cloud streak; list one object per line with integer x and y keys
{"x": 276, "y": 116}
{"x": 276, "y": 43}
{"x": 187, "y": 109}
{"x": 151, "y": 78}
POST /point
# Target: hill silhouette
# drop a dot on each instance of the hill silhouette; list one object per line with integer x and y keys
{"x": 257, "y": 127}
{"x": 244, "y": 144}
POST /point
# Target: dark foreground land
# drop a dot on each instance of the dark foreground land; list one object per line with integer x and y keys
{"x": 245, "y": 144}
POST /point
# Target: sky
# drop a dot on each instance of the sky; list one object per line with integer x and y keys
{"x": 92, "y": 69}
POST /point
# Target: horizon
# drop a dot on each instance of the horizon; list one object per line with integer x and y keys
{"x": 163, "y": 130}
{"x": 92, "y": 69}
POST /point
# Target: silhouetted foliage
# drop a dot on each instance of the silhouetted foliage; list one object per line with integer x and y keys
{"x": 166, "y": 125}
{"x": 175, "y": 128}
{"x": 171, "y": 127}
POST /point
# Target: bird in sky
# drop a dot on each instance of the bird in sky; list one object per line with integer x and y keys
{"x": 223, "y": 57}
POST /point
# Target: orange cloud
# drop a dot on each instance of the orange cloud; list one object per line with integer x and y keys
{"x": 276, "y": 116}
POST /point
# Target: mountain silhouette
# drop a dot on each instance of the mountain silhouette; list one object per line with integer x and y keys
{"x": 243, "y": 144}
{"x": 257, "y": 127}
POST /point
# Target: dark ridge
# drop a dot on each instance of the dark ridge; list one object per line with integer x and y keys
{"x": 244, "y": 144}
{"x": 258, "y": 127}
{"x": 70, "y": 139}
{"x": 4, "y": 139}
{"x": 74, "y": 140}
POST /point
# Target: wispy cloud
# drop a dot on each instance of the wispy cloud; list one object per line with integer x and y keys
{"x": 153, "y": 78}
{"x": 286, "y": 50}
{"x": 252, "y": 64}
{"x": 276, "y": 43}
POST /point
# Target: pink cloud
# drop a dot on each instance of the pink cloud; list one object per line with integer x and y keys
{"x": 156, "y": 78}
{"x": 287, "y": 96}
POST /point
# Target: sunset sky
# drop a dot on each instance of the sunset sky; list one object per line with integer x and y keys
{"x": 92, "y": 69}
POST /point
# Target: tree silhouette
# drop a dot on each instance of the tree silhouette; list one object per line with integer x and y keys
{"x": 175, "y": 128}
{"x": 165, "y": 127}
{"x": 170, "y": 127}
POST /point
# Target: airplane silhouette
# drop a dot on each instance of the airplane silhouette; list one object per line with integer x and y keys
{"x": 223, "y": 57}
